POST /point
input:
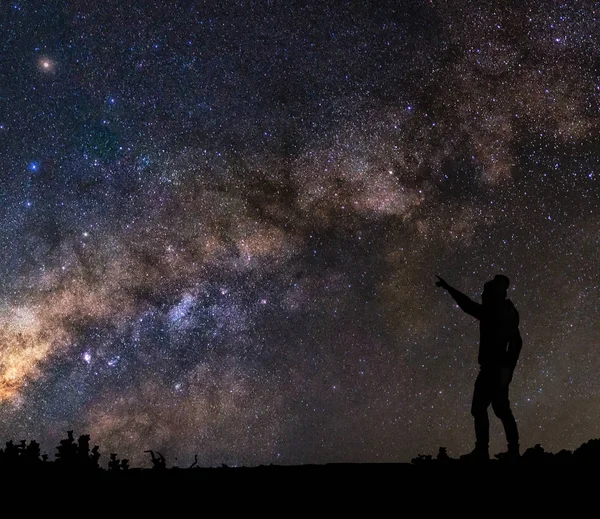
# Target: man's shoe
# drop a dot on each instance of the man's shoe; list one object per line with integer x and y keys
{"x": 476, "y": 456}
{"x": 511, "y": 456}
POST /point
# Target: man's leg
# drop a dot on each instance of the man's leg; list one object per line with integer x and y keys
{"x": 481, "y": 400}
{"x": 501, "y": 407}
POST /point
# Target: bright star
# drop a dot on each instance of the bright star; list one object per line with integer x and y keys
{"x": 46, "y": 64}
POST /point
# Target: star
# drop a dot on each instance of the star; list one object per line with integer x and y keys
{"x": 46, "y": 65}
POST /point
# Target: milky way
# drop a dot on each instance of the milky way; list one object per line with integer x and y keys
{"x": 221, "y": 223}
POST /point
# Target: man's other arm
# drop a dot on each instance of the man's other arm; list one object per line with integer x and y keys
{"x": 515, "y": 344}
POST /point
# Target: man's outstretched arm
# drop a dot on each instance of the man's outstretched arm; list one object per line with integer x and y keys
{"x": 462, "y": 300}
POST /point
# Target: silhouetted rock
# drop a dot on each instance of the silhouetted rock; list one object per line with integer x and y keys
{"x": 588, "y": 452}
{"x": 158, "y": 462}
{"x": 421, "y": 459}
{"x": 564, "y": 456}
{"x": 442, "y": 456}
{"x": 536, "y": 455}
{"x": 114, "y": 463}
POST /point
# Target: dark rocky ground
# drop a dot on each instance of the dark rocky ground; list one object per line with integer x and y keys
{"x": 428, "y": 482}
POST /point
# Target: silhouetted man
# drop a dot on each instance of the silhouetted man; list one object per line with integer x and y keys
{"x": 499, "y": 347}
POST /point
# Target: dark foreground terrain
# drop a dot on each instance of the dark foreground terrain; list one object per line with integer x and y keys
{"x": 428, "y": 480}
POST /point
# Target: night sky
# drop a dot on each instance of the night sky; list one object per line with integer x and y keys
{"x": 220, "y": 223}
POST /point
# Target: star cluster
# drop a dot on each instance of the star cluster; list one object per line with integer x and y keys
{"x": 221, "y": 223}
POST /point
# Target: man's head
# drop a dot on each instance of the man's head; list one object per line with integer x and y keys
{"x": 495, "y": 290}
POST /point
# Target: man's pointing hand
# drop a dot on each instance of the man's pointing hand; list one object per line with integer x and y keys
{"x": 442, "y": 283}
